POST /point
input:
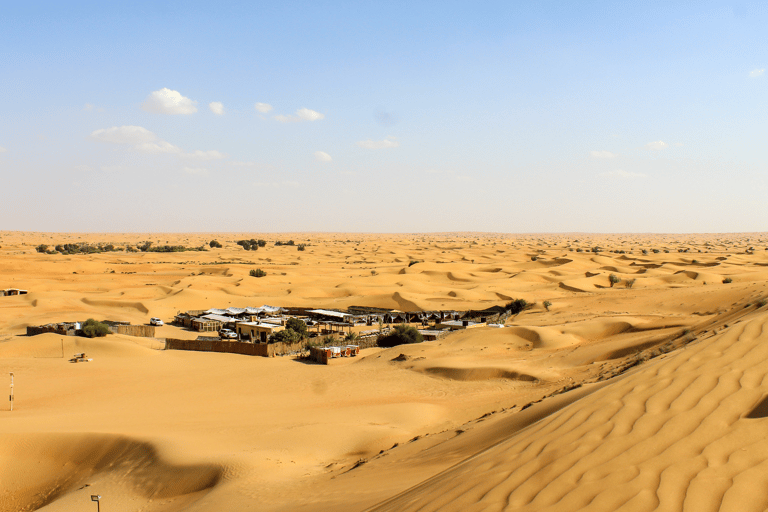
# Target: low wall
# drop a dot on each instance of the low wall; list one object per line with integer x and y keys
{"x": 234, "y": 347}
{"x": 141, "y": 331}
{"x": 34, "y": 330}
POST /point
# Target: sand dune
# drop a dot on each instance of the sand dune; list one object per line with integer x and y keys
{"x": 637, "y": 396}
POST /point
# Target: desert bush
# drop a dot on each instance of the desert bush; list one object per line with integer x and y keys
{"x": 352, "y": 337}
{"x": 401, "y": 335}
{"x": 285, "y": 336}
{"x": 645, "y": 251}
{"x": 727, "y": 280}
{"x": 257, "y": 273}
{"x": 92, "y": 329}
{"x": 547, "y": 303}
{"x": 517, "y": 306}
{"x": 41, "y": 248}
{"x": 614, "y": 279}
{"x": 629, "y": 283}
{"x": 297, "y": 326}
{"x": 301, "y": 247}
{"x": 761, "y": 303}
{"x": 214, "y": 244}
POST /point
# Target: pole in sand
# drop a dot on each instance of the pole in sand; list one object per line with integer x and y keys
{"x": 11, "y": 396}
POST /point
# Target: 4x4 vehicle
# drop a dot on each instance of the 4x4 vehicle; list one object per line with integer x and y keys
{"x": 155, "y": 321}
{"x": 227, "y": 334}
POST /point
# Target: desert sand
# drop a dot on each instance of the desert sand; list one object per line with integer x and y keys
{"x": 614, "y": 397}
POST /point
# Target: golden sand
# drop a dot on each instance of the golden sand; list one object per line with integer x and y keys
{"x": 649, "y": 397}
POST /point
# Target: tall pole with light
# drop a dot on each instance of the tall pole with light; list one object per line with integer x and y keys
{"x": 96, "y": 498}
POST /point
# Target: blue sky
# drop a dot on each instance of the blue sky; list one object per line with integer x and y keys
{"x": 384, "y": 116}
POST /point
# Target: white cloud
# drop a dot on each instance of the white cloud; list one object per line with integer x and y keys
{"x": 601, "y": 154}
{"x": 756, "y": 72}
{"x": 303, "y": 114}
{"x": 124, "y": 135}
{"x": 204, "y": 155}
{"x": 389, "y": 142}
{"x": 217, "y": 108}
{"x": 656, "y": 145}
{"x": 157, "y": 147}
{"x": 167, "y": 101}
{"x": 147, "y": 142}
{"x": 263, "y": 107}
{"x": 624, "y": 175}
{"x": 309, "y": 115}
{"x": 322, "y": 156}
{"x": 197, "y": 171}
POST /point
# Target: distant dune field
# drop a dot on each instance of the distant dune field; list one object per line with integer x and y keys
{"x": 637, "y": 381}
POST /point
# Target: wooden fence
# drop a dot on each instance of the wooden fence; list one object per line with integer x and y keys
{"x": 234, "y": 347}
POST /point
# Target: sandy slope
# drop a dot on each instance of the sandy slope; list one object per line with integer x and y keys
{"x": 615, "y": 398}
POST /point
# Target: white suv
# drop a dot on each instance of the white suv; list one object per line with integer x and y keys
{"x": 227, "y": 334}
{"x": 155, "y": 321}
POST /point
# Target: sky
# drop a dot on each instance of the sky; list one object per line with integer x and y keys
{"x": 376, "y": 116}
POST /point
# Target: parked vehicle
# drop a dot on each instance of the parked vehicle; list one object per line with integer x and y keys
{"x": 227, "y": 334}
{"x": 155, "y": 321}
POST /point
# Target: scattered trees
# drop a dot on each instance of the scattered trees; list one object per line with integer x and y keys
{"x": 250, "y": 245}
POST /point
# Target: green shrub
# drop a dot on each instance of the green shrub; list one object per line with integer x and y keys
{"x": 547, "y": 304}
{"x": 629, "y": 283}
{"x": 214, "y": 244}
{"x": 401, "y": 335}
{"x": 297, "y": 326}
{"x": 92, "y": 329}
{"x": 727, "y": 280}
{"x": 302, "y": 247}
{"x": 41, "y": 248}
{"x": 614, "y": 279}
{"x": 257, "y": 273}
{"x": 285, "y": 336}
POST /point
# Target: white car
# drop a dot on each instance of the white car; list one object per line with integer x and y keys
{"x": 155, "y": 321}
{"x": 227, "y": 334}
